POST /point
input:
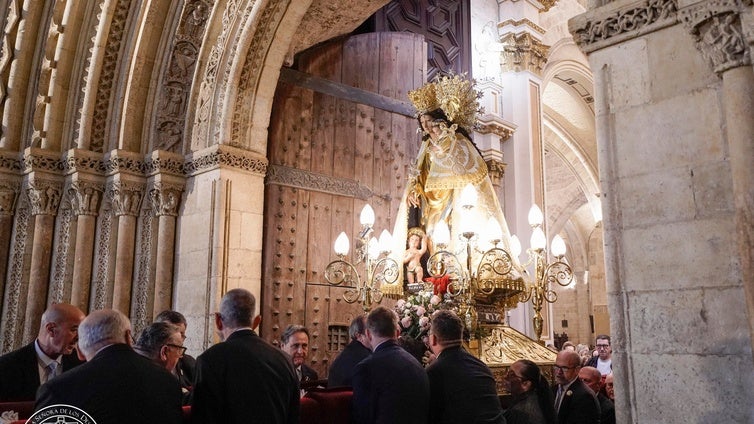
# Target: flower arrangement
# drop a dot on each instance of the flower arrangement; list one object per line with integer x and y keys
{"x": 415, "y": 312}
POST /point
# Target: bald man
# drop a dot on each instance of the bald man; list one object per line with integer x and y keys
{"x": 51, "y": 354}
{"x": 593, "y": 379}
{"x": 575, "y": 403}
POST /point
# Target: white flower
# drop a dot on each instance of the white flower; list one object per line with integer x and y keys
{"x": 423, "y": 322}
{"x": 400, "y": 304}
{"x": 435, "y": 300}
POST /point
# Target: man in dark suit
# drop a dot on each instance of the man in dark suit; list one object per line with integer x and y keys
{"x": 575, "y": 403}
{"x": 243, "y": 379}
{"x": 116, "y": 385}
{"x": 592, "y": 378}
{"x": 341, "y": 370}
{"x": 295, "y": 342}
{"x": 461, "y": 387}
{"x": 52, "y": 353}
{"x": 185, "y": 367}
{"x": 390, "y": 386}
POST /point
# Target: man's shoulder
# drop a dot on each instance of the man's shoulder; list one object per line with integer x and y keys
{"x": 19, "y": 355}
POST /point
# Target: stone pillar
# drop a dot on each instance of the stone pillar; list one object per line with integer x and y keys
{"x": 718, "y": 32}
{"x": 126, "y": 198}
{"x": 44, "y": 198}
{"x": 85, "y": 200}
{"x": 165, "y": 201}
{"x": 8, "y": 197}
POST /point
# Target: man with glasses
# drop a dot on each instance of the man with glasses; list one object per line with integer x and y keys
{"x": 603, "y": 361}
{"x": 162, "y": 343}
{"x": 185, "y": 369}
{"x": 575, "y": 403}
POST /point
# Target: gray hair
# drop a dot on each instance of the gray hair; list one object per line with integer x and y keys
{"x": 172, "y": 317}
{"x": 154, "y": 337}
{"x": 237, "y": 308}
{"x": 291, "y": 330}
{"x": 102, "y": 328}
{"x": 358, "y": 326}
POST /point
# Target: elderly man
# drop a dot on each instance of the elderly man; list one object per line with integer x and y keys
{"x": 592, "y": 378}
{"x": 162, "y": 343}
{"x": 575, "y": 403}
{"x": 295, "y": 342}
{"x": 341, "y": 370}
{"x": 185, "y": 369}
{"x": 390, "y": 386}
{"x": 461, "y": 387}
{"x": 52, "y": 353}
{"x": 115, "y": 385}
{"x": 243, "y": 379}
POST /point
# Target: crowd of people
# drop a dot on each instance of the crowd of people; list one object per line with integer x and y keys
{"x": 93, "y": 363}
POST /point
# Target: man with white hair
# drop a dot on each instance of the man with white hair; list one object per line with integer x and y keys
{"x": 116, "y": 385}
{"x": 48, "y": 356}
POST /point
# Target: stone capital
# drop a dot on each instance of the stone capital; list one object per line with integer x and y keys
{"x": 85, "y": 197}
{"x": 44, "y": 196}
{"x": 165, "y": 198}
{"x": 126, "y": 197}
{"x": 718, "y": 33}
{"x": 523, "y": 52}
{"x": 8, "y": 197}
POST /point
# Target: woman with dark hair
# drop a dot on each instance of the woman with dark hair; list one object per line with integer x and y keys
{"x": 532, "y": 397}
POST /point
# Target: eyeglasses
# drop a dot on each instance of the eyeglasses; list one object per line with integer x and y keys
{"x": 512, "y": 374}
{"x": 557, "y": 368}
{"x": 181, "y": 349}
{"x": 603, "y": 346}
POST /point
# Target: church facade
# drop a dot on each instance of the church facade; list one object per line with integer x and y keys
{"x": 154, "y": 155}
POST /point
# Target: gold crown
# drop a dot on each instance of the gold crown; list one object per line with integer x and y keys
{"x": 416, "y": 231}
{"x": 454, "y": 94}
{"x": 424, "y": 99}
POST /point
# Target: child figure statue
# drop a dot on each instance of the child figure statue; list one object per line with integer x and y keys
{"x": 417, "y": 246}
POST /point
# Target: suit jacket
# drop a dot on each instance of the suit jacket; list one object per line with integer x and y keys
{"x": 245, "y": 380}
{"x": 579, "y": 405}
{"x": 308, "y": 374}
{"x": 390, "y": 387}
{"x": 526, "y": 409}
{"x": 607, "y": 409}
{"x": 462, "y": 390}
{"x": 185, "y": 370}
{"x": 117, "y": 386}
{"x": 341, "y": 370}
{"x": 19, "y": 373}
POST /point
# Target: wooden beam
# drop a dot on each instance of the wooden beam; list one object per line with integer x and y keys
{"x": 346, "y": 92}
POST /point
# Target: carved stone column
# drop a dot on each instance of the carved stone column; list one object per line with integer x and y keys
{"x": 165, "y": 200}
{"x": 8, "y": 197}
{"x": 85, "y": 200}
{"x": 44, "y": 198}
{"x": 719, "y": 34}
{"x": 126, "y": 197}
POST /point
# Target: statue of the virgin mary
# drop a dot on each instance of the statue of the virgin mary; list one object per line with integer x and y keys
{"x": 448, "y": 162}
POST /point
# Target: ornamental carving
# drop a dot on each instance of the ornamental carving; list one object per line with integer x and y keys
{"x": 60, "y": 262}
{"x": 496, "y": 170}
{"x": 716, "y": 28}
{"x": 108, "y": 74}
{"x": 6, "y": 54}
{"x": 15, "y": 276}
{"x": 214, "y": 159}
{"x": 126, "y": 198}
{"x": 165, "y": 199}
{"x": 494, "y": 128}
{"x": 292, "y": 177}
{"x": 597, "y": 30}
{"x": 44, "y": 197}
{"x": 158, "y": 165}
{"x": 37, "y": 162}
{"x": 145, "y": 269}
{"x": 523, "y": 52}
{"x": 85, "y": 197}
{"x": 104, "y": 257}
{"x": 11, "y": 164}
{"x": 251, "y": 71}
{"x": 48, "y": 66}
{"x": 8, "y": 197}
{"x": 504, "y": 345}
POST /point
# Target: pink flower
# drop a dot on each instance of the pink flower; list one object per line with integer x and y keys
{"x": 435, "y": 299}
{"x": 420, "y": 311}
{"x": 400, "y": 304}
{"x": 406, "y": 322}
{"x": 423, "y": 322}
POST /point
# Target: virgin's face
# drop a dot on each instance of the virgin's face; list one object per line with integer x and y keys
{"x": 430, "y": 126}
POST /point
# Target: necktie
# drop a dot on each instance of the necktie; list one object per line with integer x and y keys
{"x": 51, "y": 370}
{"x": 299, "y": 374}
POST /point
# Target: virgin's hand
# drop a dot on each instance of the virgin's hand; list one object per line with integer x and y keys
{"x": 413, "y": 199}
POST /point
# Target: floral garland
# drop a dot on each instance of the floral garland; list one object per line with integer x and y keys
{"x": 415, "y": 312}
